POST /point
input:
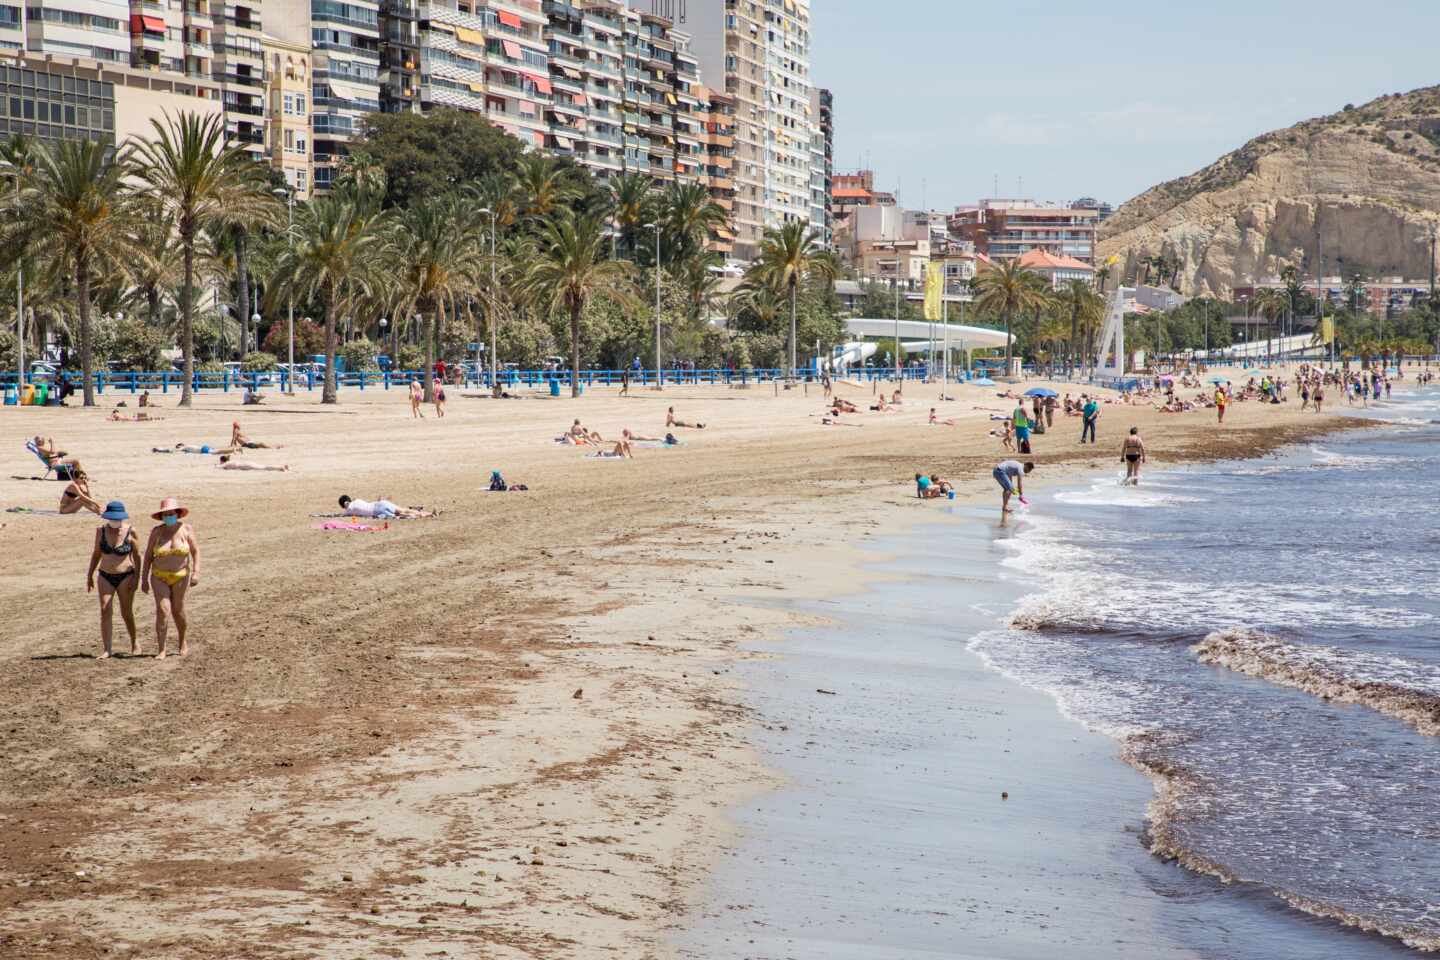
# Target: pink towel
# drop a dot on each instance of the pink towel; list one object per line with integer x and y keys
{"x": 354, "y": 526}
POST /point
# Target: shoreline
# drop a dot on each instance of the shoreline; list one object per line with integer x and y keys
{"x": 487, "y": 683}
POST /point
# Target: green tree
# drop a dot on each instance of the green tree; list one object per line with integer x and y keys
{"x": 432, "y": 153}
{"x": 1085, "y": 310}
{"x": 789, "y": 257}
{"x": 438, "y": 247}
{"x": 543, "y": 185}
{"x": 569, "y": 270}
{"x": 631, "y": 203}
{"x": 196, "y": 178}
{"x": 1007, "y": 290}
{"x": 689, "y": 215}
{"x": 75, "y": 211}
{"x": 336, "y": 255}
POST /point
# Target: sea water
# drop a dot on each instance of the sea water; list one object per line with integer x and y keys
{"x": 1263, "y": 640}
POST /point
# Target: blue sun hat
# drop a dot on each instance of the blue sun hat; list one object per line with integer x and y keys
{"x": 115, "y": 510}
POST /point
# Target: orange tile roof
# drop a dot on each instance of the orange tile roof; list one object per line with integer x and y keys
{"x": 846, "y": 193}
{"x": 1039, "y": 259}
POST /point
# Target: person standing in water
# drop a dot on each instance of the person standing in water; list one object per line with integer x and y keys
{"x": 113, "y": 558}
{"x": 1010, "y": 474}
{"x": 172, "y": 567}
{"x": 1132, "y": 454}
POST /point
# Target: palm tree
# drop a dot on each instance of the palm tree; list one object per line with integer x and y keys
{"x": 569, "y": 270}
{"x": 441, "y": 249}
{"x": 197, "y": 178}
{"x": 76, "y": 211}
{"x": 690, "y": 213}
{"x": 1273, "y": 304}
{"x": 336, "y": 255}
{"x": 630, "y": 201}
{"x": 156, "y": 269}
{"x": 542, "y": 185}
{"x": 1007, "y": 289}
{"x": 788, "y": 257}
{"x": 1084, "y": 307}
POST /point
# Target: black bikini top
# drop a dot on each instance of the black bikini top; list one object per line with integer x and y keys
{"x": 122, "y": 550}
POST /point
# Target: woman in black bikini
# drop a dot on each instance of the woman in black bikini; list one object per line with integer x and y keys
{"x": 77, "y": 495}
{"x": 114, "y": 559}
{"x": 1132, "y": 454}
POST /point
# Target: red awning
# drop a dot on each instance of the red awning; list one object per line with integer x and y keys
{"x": 512, "y": 49}
{"x": 539, "y": 137}
{"x": 509, "y": 19}
{"x": 541, "y": 83}
{"x": 140, "y": 24}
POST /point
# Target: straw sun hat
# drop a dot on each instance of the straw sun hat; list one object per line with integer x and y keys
{"x": 170, "y": 505}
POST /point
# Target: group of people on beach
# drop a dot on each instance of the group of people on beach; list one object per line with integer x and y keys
{"x": 579, "y": 435}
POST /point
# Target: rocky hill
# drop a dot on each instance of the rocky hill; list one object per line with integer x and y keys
{"x": 1370, "y": 175}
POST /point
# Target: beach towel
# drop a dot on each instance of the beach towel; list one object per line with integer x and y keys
{"x": 604, "y": 455}
{"x": 656, "y": 444}
{"x": 350, "y": 526}
{"x": 32, "y": 511}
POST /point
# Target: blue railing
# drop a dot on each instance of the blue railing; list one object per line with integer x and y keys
{"x": 134, "y": 382}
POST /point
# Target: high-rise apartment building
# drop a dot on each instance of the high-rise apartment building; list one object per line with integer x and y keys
{"x": 239, "y": 67}
{"x": 759, "y": 52}
{"x": 719, "y": 168}
{"x": 822, "y": 168}
{"x": 287, "y": 113}
{"x": 344, "y": 38}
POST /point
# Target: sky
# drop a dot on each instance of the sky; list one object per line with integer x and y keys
{"x": 1062, "y": 100}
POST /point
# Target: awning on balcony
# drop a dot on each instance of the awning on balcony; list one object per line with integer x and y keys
{"x": 349, "y": 91}
{"x": 541, "y": 83}
{"x": 473, "y": 37}
{"x": 564, "y": 142}
{"x": 539, "y": 137}
{"x": 526, "y": 107}
{"x": 139, "y": 23}
{"x": 570, "y": 72}
{"x": 441, "y": 26}
{"x": 509, "y": 19}
{"x": 512, "y": 49}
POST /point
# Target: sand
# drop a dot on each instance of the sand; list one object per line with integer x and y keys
{"x": 514, "y": 730}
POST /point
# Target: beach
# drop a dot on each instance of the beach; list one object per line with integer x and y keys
{"x": 514, "y": 730}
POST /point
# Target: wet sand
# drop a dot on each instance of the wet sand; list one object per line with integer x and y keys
{"x": 513, "y": 730}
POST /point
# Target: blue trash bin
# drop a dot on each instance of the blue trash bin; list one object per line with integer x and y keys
{"x": 554, "y": 388}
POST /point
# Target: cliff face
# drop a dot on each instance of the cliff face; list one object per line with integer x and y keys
{"x": 1369, "y": 175}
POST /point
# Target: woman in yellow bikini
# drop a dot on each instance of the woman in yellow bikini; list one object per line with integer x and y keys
{"x": 172, "y": 567}
{"x": 113, "y": 558}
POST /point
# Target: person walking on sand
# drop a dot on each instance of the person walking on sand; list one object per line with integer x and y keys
{"x": 1132, "y": 454}
{"x": 172, "y": 567}
{"x": 1010, "y": 474}
{"x": 417, "y": 397}
{"x": 1319, "y": 395}
{"x": 113, "y": 557}
{"x": 624, "y": 381}
{"x": 438, "y": 388}
{"x": 1089, "y": 416}
{"x": 1221, "y": 399}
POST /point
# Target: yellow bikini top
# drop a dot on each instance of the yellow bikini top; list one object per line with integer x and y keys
{"x": 172, "y": 551}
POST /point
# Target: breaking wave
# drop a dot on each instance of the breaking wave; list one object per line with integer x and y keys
{"x": 1405, "y": 690}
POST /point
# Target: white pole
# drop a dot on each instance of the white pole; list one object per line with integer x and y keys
{"x": 945, "y": 323}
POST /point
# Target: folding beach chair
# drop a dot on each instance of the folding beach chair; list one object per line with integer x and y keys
{"x": 61, "y": 471}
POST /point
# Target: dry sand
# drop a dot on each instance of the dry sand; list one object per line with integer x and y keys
{"x": 511, "y": 731}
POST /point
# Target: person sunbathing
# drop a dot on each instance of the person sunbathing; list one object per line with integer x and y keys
{"x": 670, "y": 421}
{"x": 880, "y": 407}
{"x": 896, "y": 399}
{"x": 54, "y": 458}
{"x": 578, "y": 435}
{"x": 839, "y": 406}
{"x": 381, "y": 509}
{"x": 186, "y": 448}
{"x": 76, "y": 496}
{"x": 636, "y": 438}
{"x": 937, "y": 422}
{"x": 226, "y": 463}
{"x": 621, "y": 449}
{"x": 238, "y": 440}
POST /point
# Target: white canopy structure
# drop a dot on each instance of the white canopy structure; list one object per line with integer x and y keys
{"x": 961, "y": 337}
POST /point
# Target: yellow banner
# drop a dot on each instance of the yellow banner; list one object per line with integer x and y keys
{"x": 1327, "y": 330}
{"x": 934, "y": 291}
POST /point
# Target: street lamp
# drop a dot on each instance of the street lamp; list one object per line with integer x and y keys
{"x": 289, "y": 196}
{"x": 384, "y": 322}
{"x": 659, "y": 372}
{"x": 490, "y": 311}
{"x": 255, "y": 319}
{"x": 20, "y": 291}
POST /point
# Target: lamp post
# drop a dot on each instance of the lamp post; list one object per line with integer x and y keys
{"x": 490, "y": 312}
{"x": 254, "y": 343}
{"x": 289, "y": 196}
{"x": 383, "y": 324}
{"x": 659, "y": 372}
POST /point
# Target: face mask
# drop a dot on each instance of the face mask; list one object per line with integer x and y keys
{"x": 114, "y": 524}
{"x": 170, "y": 519}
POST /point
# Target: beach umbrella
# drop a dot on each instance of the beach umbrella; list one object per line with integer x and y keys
{"x": 1219, "y": 379}
{"x": 983, "y": 382}
{"x": 1040, "y": 392}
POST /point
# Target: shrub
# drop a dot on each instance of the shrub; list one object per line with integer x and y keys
{"x": 130, "y": 344}
{"x": 309, "y": 339}
{"x": 259, "y": 362}
{"x": 359, "y": 354}
{"x": 410, "y": 357}
{"x": 209, "y": 366}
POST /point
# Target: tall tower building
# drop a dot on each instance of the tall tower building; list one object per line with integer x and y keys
{"x": 758, "y": 51}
